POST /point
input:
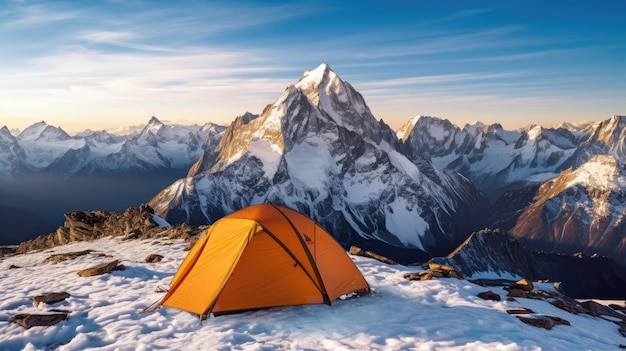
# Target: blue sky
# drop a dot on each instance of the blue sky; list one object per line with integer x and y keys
{"x": 103, "y": 64}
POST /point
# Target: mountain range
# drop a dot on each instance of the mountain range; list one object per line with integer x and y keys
{"x": 46, "y": 172}
{"x": 409, "y": 194}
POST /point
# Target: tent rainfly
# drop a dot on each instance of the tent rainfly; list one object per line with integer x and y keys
{"x": 262, "y": 256}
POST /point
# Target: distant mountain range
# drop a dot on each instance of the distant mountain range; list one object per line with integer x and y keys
{"x": 42, "y": 149}
{"x": 46, "y": 172}
{"x": 410, "y": 194}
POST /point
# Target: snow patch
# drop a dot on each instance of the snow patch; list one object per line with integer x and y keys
{"x": 310, "y": 164}
{"x": 405, "y": 223}
{"x": 269, "y": 154}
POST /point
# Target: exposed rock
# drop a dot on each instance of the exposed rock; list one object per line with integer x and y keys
{"x": 153, "y": 258}
{"x": 413, "y": 276}
{"x": 517, "y": 293}
{"x": 101, "y": 269}
{"x": 491, "y": 282}
{"x": 523, "y": 310}
{"x": 7, "y": 250}
{"x": 38, "y": 320}
{"x": 541, "y": 294}
{"x": 134, "y": 223}
{"x": 617, "y": 307}
{"x": 447, "y": 271}
{"x": 50, "y": 298}
{"x": 357, "y": 251}
{"x": 434, "y": 271}
{"x": 543, "y": 321}
{"x": 522, "y": 284}
{"x": 622, "y": 331}
{"x": 489, "y": 295}
{"x": 191, "y": 242}
{"x": 595, "y": 309}
{"x": 568, "y": 304}
{"x": 66, "y": 256}
{"x": 559, "y": 320}
{"x": 424, "y": 275}
{"x": 14, "y": 266}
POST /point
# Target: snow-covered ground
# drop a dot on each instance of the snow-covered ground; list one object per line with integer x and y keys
{"x": 442, "y": 314}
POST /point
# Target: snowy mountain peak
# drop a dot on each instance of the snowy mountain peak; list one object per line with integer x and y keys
{"x": 43, "y": 132}
{"x": 534, "y": 132}
{"x": 338, "y": 101}
{"x": 5, "y": 131}
{"x": 153, "y": 126}
{"x": 403, "y": 133}
{"x": 474, "y": 128}
{"x": 32, "y": 132}
{"x": 574, "y": 126}
{"x": 321, "y": 84}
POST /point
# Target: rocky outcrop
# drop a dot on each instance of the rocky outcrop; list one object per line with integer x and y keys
{"x": 153, "y": 258}
{"x": 91, "y": 225}
{"x": 434, "y": 271}
{"x": 28, "y": 321}
{"x": 134, "y": 223}
{"x": 581, "y": 277}
{"x": 101, "y": 268}
{"x": 489, "y": 295}
{"x": 65, "y": 256}
{"x": 357, "y": 251}
{"x": 50, "y": 298}
{"x": 543, "y": 321}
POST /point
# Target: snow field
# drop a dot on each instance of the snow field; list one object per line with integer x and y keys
{"x": 399, "y": 315}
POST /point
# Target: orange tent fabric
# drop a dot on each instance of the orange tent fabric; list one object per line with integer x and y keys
{"x": 262, "y": 256}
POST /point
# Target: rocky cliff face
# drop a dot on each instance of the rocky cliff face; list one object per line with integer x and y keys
{"x": 582, "y": 209}
{"x": 492, "y": 251}
{"x": 136, "y": 223}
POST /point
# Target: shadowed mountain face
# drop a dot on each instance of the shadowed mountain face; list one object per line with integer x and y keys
{"x": 492, "y": 251}
{"x": 319, "y": 150}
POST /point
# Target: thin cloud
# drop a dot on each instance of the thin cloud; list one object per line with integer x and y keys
{"x": 455, "y": 16}
{"x": 20, "y": 16}
{"x": 443, "y": 78}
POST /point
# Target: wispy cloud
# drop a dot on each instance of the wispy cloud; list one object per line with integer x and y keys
{"x": 25, "y": 15}
{"x": 444, "y": 78}
{"x": 455, "y": 16}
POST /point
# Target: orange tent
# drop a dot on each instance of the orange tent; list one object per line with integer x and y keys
{"x": 262, "y": 256}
